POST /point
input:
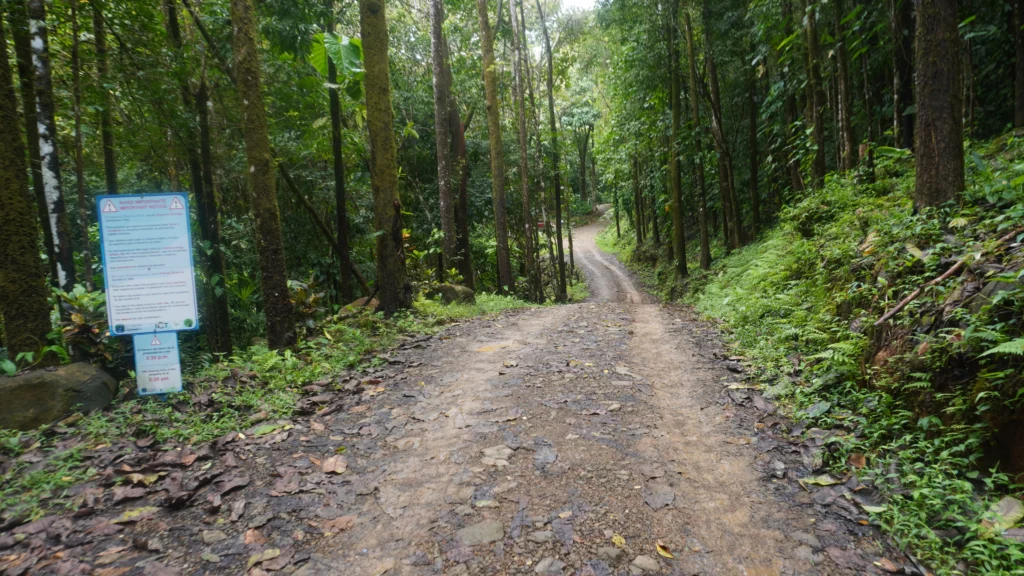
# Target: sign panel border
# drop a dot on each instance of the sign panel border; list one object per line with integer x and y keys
{"x": 103, "y": 258}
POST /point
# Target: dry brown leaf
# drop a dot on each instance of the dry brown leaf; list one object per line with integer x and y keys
{"x": 889, "y": 566}
{"x": 856, "y": 460}
{"x": 334, "y": 465}
{"x": 254, "y": 536}
{"x": 339, "y": 524}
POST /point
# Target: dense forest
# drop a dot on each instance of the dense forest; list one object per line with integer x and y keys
{"x": 839, "y": 182}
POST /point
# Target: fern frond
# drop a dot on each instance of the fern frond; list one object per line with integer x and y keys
{"x": 1011, "y": 347}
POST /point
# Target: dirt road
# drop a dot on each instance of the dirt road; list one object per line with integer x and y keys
{"x": 560, "y": 440}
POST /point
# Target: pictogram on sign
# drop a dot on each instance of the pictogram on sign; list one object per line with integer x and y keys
{"x": 176, "y": 204}
{"x": 109, "y": 207}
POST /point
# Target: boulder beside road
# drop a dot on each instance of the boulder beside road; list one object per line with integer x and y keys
{"x": 39, "y": 397}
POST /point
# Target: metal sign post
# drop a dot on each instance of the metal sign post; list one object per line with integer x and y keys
{"x": 146, "y": 247}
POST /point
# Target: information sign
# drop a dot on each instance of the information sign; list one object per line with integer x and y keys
{"x": 147, "y": 263}
{"x": 157, "y": 369}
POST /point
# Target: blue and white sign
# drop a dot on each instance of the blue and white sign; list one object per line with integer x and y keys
{"x": 147, "y": 263}
{"x": 157, "y": 370}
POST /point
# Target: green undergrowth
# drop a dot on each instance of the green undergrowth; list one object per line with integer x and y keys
{"x": 252, "y": 386}
{"x": 933, "y": 398}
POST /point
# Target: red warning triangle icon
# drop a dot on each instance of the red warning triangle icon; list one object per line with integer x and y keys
{"x": 155, "y": 342}
{"x": 109, "y": 207}
{"x": 176, "y": 204}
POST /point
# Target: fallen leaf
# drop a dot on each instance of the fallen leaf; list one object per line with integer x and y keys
{"x": 268, "y": 554}
{"x": 264, "y": 429}
{"x": 663, "y": 550}
{"x": 254, "y": 536}
{"x": 145, "y": 479}
{"x": 856, "y": 460}
{"x": 339, "y": 524}
{"x": 136, "y": 514}
{"x": 822, "y": 480}
{"x": 618, "y": 540}
{"x": 889, "y": 566}
{"x": 334, "y": 465}
{"x": 1004, "y": 514}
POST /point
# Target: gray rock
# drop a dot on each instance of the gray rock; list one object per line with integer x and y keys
{"x": 543, "y": 457}
{"x": 658, "y": 495}
{"x": 213, "y": 536}
{"x": 43, "y": 396}
{"x": 541, "y": 536}
{"x": 805, "y": 538}
{"x": 646, "y": 564}
{"x": 498, "y": 452}
{"x": 609, "y": 553}
{"x": 481, "y": 533}
{"x": 777, "y": 468}
{"x": 549, "y": 566}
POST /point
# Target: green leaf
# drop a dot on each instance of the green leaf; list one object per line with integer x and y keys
{"x": 8, "y": 367}
{"x": 1011, "y": 347}
{"x": 318, "y": 54}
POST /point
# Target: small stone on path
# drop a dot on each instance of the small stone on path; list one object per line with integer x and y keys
{"x": 481, "y": 533}
{"x": 541, "y": 536}
{"x": 213, "y": 536}
{"x": 646, "y": 563}
{"x": 549, "y": 566}
{"x": 609, "y": 553}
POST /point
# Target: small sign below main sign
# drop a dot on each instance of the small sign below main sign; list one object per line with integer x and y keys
{"x": 147, "y": 263}
{"x": 157, "y": 368}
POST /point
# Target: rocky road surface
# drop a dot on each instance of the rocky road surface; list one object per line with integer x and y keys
{"x": 607, "y": 437}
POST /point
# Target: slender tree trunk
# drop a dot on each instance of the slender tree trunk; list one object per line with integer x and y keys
{"x": 338, "y": 162}
{"x": 815, "y": 95}
{"x": 555, "y": 161}
{"x": 76, "y": 97}
{"x": 393, "y": 288}
{"x": 675, "y": 178}
{"x": 219, "y": 333}
{"x": 848, "y": 140}
{"x": 702, "y": 208}
{"x": 732, "y": 228}
{"x": 53, "y": 191}
{"x": 461, "y": 167}
{"x": 505, "y": 279}
{"x": 618, "y": 228}
{"x": 24, "y": 308}
{"x": 867, "y": 155}
{"x": 1018, "y": 41}
{"x": 755, "y": 199}
{"x": 903, "y": 71}
{"x": 638, "y": 218}
{"x": 593, "y": 168}
{"x": 442, "y": 135}
{"x": 106, "y": 126}
{"x": 536, "y": 289}
{"x": 270, "y": 244}
{"x": 939, "y": 146}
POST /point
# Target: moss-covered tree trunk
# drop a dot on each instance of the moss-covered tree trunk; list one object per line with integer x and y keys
{"x": 702, "y": 207}
{"x": 442, "y": 132}
{"x": 53, "y": 191}
{"x": 534, "y": 287}
{"x": 394, "y": 291}
{"x": 556, "y": 170}
{"x": 23, "y": 306}
{"x": 847, "y": 138}
{"x": 675, "y": 178}
{"x": 815, "y": 95}
{"x": 505, "y": 279}
{"x": 102, "y": 72}
{"x": 277, "y": 305}
{"x": 939, "y": 133}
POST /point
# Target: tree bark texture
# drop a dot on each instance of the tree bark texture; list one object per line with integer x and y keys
{"x": 815, "y": 96}
{"x": 903, "y": 71}
{"x": 505, "y": 279}
{"x": 555, "y": 160}
{"x": 939, "y": 131}
{"x": 26, "y": 314}
{"x": 338, "y": 164}
{"x": 752, "y": 148}
{"x": 675, "y": 178}
{"x": 76, "y": 98}
{"x": 847, "y": 138}
{"x": 106, "y": 125}
{"x": 393, "y": 289}
{"x": 56, "y": 214}
{"x": 702, "y": 208}
{"x": 442, "y": 131}
{"x": 277, "y": 305}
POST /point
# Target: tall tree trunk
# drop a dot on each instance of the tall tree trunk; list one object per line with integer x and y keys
{"x": 939, "y": 145}
{"x": 675, "y": 178}
{"x": 76, "y": 97}
{"x": 274, "y": 273}
{"x": 535, "y": 288}
{"x": 393, "y": 288}
{"x": 24, "y": 308}
{"x": 615, "y": 200}
{"x": 57, "y": 220}
{"x": 505, "y": 279}
{"x": 461, "y": 168}
{"x": 867, "y": 153}
{"x": 26, "y": 78}
{"x": 593, "y": 169}
{"x": 732, "y": 227}
{"x": 902, "y": 19}
{"x": 442, "y": 132}
{"x": 219, "y": 333}
{"x": 848, "y": 140}
{"x": 702, "y": 208}
{"x": 815, "y": 95}
{"x": 638, "y": 214}
{"x": 1018, "y": 41}
{"x": 338, "y": 164}
{"x": 755, "y": 199}
{"x": 555, "y": 153}
{"x": 106, "y": 126}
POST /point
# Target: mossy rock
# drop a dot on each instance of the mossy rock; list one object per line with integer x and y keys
{"x": 452, "y": 294}
{"x": 39, "y": 397}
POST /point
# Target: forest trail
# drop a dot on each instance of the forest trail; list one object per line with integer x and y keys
{"x": 563, "y": 440}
